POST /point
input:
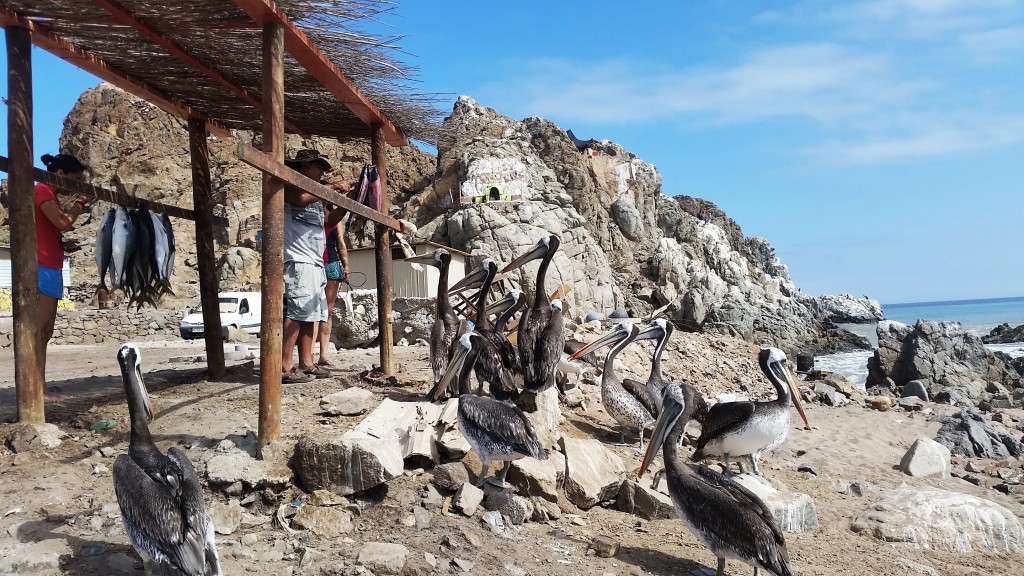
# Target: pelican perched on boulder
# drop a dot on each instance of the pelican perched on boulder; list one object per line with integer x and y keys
{"x": 726, "y": 517}
{"x": 446, "y": 323}
{"x": 496, "y": 430}
{"x": 736, "y": 429}
{"x": 159, "y": 495}
{"x": 541, "y": 334}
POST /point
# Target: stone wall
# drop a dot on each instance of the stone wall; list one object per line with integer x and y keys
{"x": 94, "y": 326}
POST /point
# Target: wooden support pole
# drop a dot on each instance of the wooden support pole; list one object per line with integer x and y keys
{"x": 382, "y": 238}
{"x": 209, "y": 287}
{"x": 28, "y": 378}
{"x": 272, "y": 274}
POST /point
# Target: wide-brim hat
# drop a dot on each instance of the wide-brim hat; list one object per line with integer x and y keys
{"x": 307, "y": 155}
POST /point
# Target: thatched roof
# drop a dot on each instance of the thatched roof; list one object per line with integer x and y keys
{"x": 205, "y": 57}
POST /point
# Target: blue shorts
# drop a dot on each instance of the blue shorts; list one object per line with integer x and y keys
{"x": 51, "y": 282}
{"x": 333, "y": 270}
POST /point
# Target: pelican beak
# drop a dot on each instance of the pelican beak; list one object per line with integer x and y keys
{"x": 140, "y": 386}
{"x": 669, "y": 414}
{"x": 536, "y": 252}
{"x": 609, "y": 338}
{"x": 458, "y": 359}
{"x": 500, "y": 306}
{"x": 652, "y": 332}
{"x": 794, "y": 389}
{"x": 427, "y": 258}
{"x": 468, "y": 281}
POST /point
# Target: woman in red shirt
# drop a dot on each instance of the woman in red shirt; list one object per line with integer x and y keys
{"x": 51, "y": 221}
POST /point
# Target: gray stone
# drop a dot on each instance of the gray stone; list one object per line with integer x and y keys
{"x": 450, "y": 476}
{"x": 348, "y": 402}
{"x": 347, "y": 465}
{"x": 645, "y": 502}
{"x": 467, "y": 499}
{"x": 32, "y": 437}
{"x": 232, "y": 467}
{"x": 542, "y": 478}
{"x": 431, "y": 497}
{"x": 929, "y": 518}
{"x": 926, "y": 457}
{"x": 383, "y": 557}
{"x": 793, "y": 511}
{"x": 35, "y": 557}
{"x": 593, "y": 472}
{"x": 968, "y": 433}
{"x": 227, "y": 518}
{"x": 915, "y": 388}
{"x": 121, "y": 562}
{"x": 513, "y": 508}
{"x": 604, "y": 547}
{"x": 423, "y": 517}
{"x": 325, "y": 522}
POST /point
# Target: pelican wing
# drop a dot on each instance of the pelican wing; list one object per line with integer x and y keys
{"x": 503, "y": 424}
{"x": 721, "y": 419}
{"x": 198, "y": 524}
{"x": 155, "y": 516}
{"x": 639, "y": 391}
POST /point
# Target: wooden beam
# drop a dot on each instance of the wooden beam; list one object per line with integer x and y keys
{"x": 209, "y": 288}
{"x": 278, "y": 170}
{"x": 126, "y": 17}
{"x": 272, "y": 273}
{"x": 127, "y": 200}
{"x": 316, "y": 63}
{"x": 28, "y": 376}
{"x": 382, "y": 253}
{"x": 94, "y": 65}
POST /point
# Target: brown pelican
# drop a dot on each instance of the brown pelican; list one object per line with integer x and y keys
{"x": 661, "y": 330}
{"x": 506, "y": 308}
{"x": 495, "y": 429}
{"x": 489, "y": 368}
{"x": 160, "y": 497}
{"x": 541, "y": 335}
{"x": 752, "y": 428}
{"x": 726, "y": 517}
{"x": 625, "y": 408}
{"x": 446, "y": 323}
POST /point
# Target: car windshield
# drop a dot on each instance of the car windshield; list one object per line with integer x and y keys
{"x": 227, "y": 305}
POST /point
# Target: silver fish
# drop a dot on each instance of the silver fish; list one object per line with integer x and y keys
{"x": 122, "y": 247}
{"x": 170, "y": 247}
{"x": 161, "y": 252}
{"x": 104, "y": 239}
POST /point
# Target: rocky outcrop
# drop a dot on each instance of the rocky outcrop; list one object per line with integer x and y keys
{"x": 844, "y": 308}
{"x": 941, "y": 356}
{"x": 1004, "y": 334}
{"x": 968, "y": 433}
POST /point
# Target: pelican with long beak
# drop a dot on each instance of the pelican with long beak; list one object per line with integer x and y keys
{"x": 446, "y": 323}
{"x": 495, "y": 429}
{"x": 625, "y": 408}
{"x": 541, "y": 335}
{"x": 736, "y": 429}
{"x": 726, "y": 517}
{"x": 159, "y": 495}
{"x": 661, "y": 330}
{"x": 506, "y": 308}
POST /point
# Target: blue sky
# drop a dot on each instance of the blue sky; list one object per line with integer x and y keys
{"x": 877, "y": 145}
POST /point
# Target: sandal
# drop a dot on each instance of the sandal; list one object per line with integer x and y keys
{"x": 325, "y": 363}
{"x": 317, "y": 372}
{"x": 295, "y": 377}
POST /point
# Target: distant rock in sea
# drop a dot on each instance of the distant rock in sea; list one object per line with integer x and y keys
{"x": 1004, "y": 334}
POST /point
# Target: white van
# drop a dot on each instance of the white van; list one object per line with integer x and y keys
{"x": 237, "y": 310}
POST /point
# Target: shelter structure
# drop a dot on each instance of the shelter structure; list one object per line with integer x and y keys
{"x": 408, "y": 281}
{"x": 223, "y": 65}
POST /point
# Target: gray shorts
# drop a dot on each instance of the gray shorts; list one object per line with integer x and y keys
{"x": 304, "y": 296}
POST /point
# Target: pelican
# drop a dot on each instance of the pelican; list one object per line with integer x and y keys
{"x": 159, "y": 495}
{"x": 446, "y": 323}
{"x": 506, "y": 308}
{"x": 752, "y": 428}
{"x": 489, "y": 368}
{"x": 541, "y": 335}
{"x": 726, "y": 517}
{"x": 495, "y": 429}
{"x": 661, "y": 330}
{"x": 625, "y": 408}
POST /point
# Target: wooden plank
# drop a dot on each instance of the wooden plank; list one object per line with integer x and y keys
{"x": 209, "y": 287}
{"x": 278, "y": 170}
{"x": 89, "y": 62}
{"x": 28, "y": 378}
{"x": 316, "y": 63}
{"x": 382, "y": 256}
{"x": 101, "y": 193}
{"x": 272, "y": 272}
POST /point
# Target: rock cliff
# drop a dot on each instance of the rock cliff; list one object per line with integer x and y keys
{"x": 625, "y": 244}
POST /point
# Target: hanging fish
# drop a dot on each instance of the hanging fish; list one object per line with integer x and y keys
{"x": 160, "y": 249}
{"x": 169, "y": 264}
{"x": 121, "y": 248}
{"x": 363, "y": 188}
{"x": 141, "y": 266}
{"x": 104, "y": 246}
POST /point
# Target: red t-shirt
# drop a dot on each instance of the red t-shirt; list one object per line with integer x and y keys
{"x": 49, "y": 252}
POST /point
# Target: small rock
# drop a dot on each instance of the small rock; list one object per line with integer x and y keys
{"x": 808, "y": 469}
{"x": 422, "y": 517}
{"x": 926, "y": 457}
{"x": 32, "y": 437}
{"x": 472, "y": 538}
{"x": 513, "y": 508}
{"x": 915, "y": 389}
{"x": 881, "y": 403}
{"x": 604, "y": 547}
{"x": 464, "y": 565}
{"x": 227, "y": 518}
{"x": 326, "y": 522}
{"x": 383, "y": 557}
{"x": 493, "y": 521}
{"x": 468, "y": 499}
{"x": 450, "y": 476}
{"x": 348, "y": 402}
{"x": 431, "y": 497}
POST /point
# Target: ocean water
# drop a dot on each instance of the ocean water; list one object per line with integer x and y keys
{"x": 977, "y": 316}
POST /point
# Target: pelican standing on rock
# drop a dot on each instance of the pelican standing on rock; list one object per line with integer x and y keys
{"x": 495, "y": 429}
{"x": 541, "y": 335}
{"x": 446, "y": 323}
{"x": 736, "y": 429}
{"x": 625, "y": 408}
{"x": 726, "y": 517}
{"x": 159, "y": 495}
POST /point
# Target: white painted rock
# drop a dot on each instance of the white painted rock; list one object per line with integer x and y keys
{"x": 593, "y": 472}
{"x": 926, "y": 457}
{"x": 793, "y": 511}
{"x": 951, "y": 521}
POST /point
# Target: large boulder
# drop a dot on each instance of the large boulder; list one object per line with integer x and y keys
{"x": 1004, "y": 334}
{"x": 968, "y": 433}
{"x": 593, "y": 472}
{"x": 939, "y": 519}
{"x": 346, "y": 465}
{"x": 845, "y": 308}
{"x": 926, "y": 457}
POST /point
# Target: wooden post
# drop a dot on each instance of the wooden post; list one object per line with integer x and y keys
{"x": 272, "y": 274}
{"x": 28, "y": 379}
{"x": 382, "y": 238}
{"x": 209, "y": 287}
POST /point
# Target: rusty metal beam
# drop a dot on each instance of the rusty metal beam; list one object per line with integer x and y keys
{"x": 126, "y": 17}
{"x": 92, "y": 64}
{"x": 313, "y": 60}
